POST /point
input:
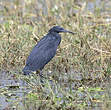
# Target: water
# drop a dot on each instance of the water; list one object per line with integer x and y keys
{"x": 13, "y": 92}
{"x": 11, "y": 89}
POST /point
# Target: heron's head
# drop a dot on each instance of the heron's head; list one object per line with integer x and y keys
{"x": 59, "y": 29}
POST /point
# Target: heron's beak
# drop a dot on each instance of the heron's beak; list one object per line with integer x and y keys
{"x": 68, "y": 31}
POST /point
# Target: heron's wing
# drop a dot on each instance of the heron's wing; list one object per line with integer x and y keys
{"x": 41, "y": 54}
{"x": 41, "y": 42}
{"x": 36, "y": 49}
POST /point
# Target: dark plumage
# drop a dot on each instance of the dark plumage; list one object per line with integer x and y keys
{"x": 44, "y": 50}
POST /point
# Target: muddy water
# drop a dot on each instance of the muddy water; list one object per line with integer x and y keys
{"x": 13, "y": 92}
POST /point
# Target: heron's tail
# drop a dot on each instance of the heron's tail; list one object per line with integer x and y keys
{"x": 26, "y": 70}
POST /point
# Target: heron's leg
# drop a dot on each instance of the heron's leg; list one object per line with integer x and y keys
{"x": 41, "y": 75}
{"x": 39, "y": 72}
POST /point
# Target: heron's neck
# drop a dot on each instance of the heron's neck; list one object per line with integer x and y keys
{"x": 54, "y": 34}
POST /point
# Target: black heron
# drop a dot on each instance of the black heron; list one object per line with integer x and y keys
{"x": 44, "y": 50}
